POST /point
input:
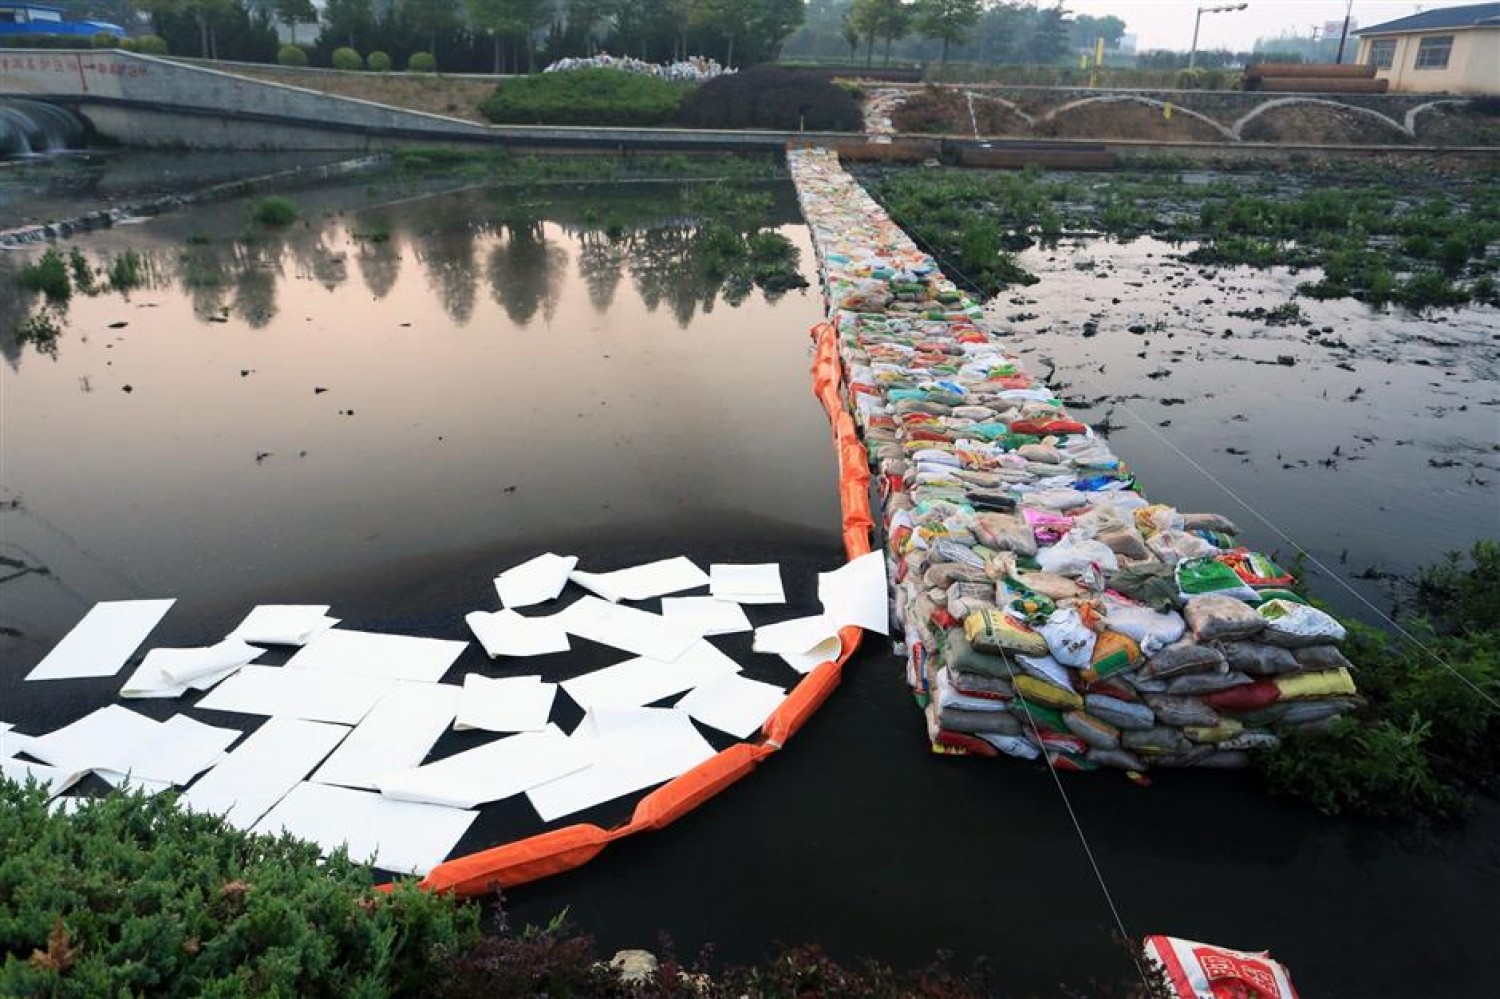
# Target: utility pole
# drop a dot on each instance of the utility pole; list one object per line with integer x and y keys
{"x": 1198, "y": 23}
{"x": 1344, "y": 38}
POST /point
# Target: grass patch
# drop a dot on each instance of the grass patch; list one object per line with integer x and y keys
{"x": 585, "y": 97}
{"x": 131, "y": 897}
{"x": 49, "y": 276}
{"x": 274, "y": 212}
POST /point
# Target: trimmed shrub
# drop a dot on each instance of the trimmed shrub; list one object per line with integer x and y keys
{"x": 771, "y": 98}
{"x": 292, "y": 55}
{"x": 378, "y": 62}
{"x": 274, "y": 211}
{"x": 132, "y": 897}
{"x": 584, "y": 97}
{"x": 105, "y": 40}
{"x": 147, "y": 45}
{"x": 421, "y": 62}
{"x": 346, "y": 58}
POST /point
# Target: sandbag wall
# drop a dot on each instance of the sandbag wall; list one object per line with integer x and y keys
{"x": 1047, "y": 608}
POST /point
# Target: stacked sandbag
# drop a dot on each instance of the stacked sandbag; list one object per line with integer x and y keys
{"x": 695, "y": 69}
{"x": 1048, "y": 608}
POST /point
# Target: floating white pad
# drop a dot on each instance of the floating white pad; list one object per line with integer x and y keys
{"x": 506, "y": 633}
{"x": 103, "y": 641}
{"x": 298, "y": 693}
{"x": 733, "y": 704}
{"x": 625, "y": 761}
{"x": 399, "y": 836}
{"x": 705, "y": 615}
{"x": 855, "y": 593}
{"x": 805, "y": 643}
{"x": 642, "y": 582}
{"x": 755, "y": 583}
{"x": 369, "y": 653}
{"x": 640, "y": 681}
{"x": 117, "y": 739}
{"x": 536, "y": 581}
{"x": 395, "y": 735}
{"x": 507, "y": 704}
{"x": 284, "y": 624}
{"x": 491, "y": 772}
{"x": 173, "y": 672}
{"x": 262, "y": 769}
{"x": 627, "y": 628}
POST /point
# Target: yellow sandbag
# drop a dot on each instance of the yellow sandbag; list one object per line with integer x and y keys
{"x": 1048, "y": 695}
{"x": 992, "y": 631}
{"x": 1329, "y": 683}
{"x": 1228, "y": 728}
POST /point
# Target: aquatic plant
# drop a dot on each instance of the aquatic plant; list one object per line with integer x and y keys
{"x": 274, "y": 211}
{"x": 1431, "y": 731}
{"x": 48, "y": 275}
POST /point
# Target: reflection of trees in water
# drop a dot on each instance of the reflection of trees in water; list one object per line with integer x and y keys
{"x": 448, "y": 256}
{"x": 526, "y": 272}
{"x": 663, "y": 267}
{"x": 257, "y": 269}
{"x": 379, "y": 265}
{"x": 203, "y": 271}
{"x": 316, "y": 259}
{"x": 15, "y": 307}
{"x": 600, "y": 262}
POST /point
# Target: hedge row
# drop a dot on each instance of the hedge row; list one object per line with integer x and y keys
{"x": 761, "y": 98}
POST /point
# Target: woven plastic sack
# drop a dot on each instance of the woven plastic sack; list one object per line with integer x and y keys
{"x": 1297, "y": 625}
{"x": 1068, "y": 639}
{"x": 1330, "y": 683}
{"x": 1203, "y": 971}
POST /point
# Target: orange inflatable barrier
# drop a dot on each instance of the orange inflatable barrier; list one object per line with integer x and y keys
{"x": 560, "y": 850}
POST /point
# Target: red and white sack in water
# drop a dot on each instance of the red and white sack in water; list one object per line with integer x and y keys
{"x": 1203, "y": 971}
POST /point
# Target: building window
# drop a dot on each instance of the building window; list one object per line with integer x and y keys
{"x": 1433, "y": 52}
{"x": 1383, "y": 53}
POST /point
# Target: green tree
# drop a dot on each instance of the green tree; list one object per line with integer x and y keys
{"x": 764, "y": 24}
{"x": 204, "y": 13}
{"x": 509, "y": 19}
{"x": 584, "y": 17}
{"x": 295, "y": 12}
{"x": 1053, "y": 39}
{"x": 429, "y": 17}
{"x": 887, "y": 20}
{"x": 1087, "y": 29}
{"x": 351, "y": 22}
{"x": 948, "y": 21}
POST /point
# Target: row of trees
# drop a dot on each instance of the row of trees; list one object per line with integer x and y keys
{"x": 468, "y": 35}
{"x": 972, "y": 30}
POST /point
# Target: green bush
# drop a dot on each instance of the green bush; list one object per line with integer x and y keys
{"x": 771, "y": 98}
{"x": 274, "y": 211}
{"x": 147, "y": 45}
{"x": 346, "y": 58}
{"x": 421, "y": 62}
{"x": 378, "y": 62}
{"x": 49, "y": 275}
{"x": 105, "y": 40}
{"x": 584, "y": 97}
{"x": 132, "y": 897}
{"x": 292, "y": 55}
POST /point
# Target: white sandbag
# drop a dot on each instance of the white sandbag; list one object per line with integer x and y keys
{"x": 1069, "y": 640}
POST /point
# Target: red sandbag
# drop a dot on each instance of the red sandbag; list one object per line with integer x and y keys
{"x": 1248, "y": 697}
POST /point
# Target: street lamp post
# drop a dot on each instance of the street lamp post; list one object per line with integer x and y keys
{"x": 1198, "y": 23}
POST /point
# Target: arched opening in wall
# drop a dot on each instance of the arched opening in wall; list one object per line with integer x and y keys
{"x": 1134, "y": 119}
{"x": 950, "y": 111}
{"x": 1313, "y": 122}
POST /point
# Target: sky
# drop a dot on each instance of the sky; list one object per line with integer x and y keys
{"x": 1168, "y": 24}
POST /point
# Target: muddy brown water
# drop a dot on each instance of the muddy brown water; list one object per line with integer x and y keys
{"x": 501, "y": 379}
